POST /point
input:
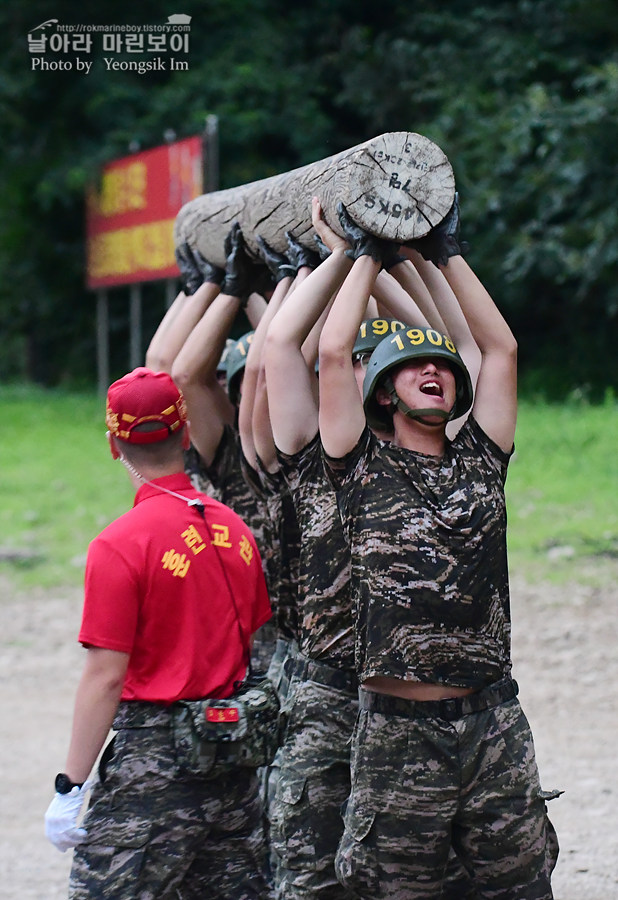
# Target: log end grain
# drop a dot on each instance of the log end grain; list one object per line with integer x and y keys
{"x": 399, "y": 186}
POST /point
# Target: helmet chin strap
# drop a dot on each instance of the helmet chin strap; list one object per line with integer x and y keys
{"x": 417, "y": 414}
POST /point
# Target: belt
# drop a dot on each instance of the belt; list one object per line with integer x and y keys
{"x": 450, "y": 709}
{"x": 310, "y": 670}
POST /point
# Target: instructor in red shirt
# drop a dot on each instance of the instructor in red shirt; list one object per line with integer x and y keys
{"x": 174, "y": 591}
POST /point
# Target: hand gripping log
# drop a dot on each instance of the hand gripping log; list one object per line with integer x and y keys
{"x": 397, "y": 186}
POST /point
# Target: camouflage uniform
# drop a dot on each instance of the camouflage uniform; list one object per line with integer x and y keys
{"x": 263, "y": 501}
{"x": 313, "y": 784}
{"x": 155, "y": 833}
{"x": 267, "y": 538}
{"x": 194, "y": 468}
{"x": 282, "y": 550}
{"x": 228, "y": 481}
{"x": 322, "y": 704}
{"x": 224, "y": 480}
{"x": 314, "y": 779}
{"x": 426, "y": 776}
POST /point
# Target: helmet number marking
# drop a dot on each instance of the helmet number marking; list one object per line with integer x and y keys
{"x": 380, "y": 327}
{"x": 241, "y": 345}
{"x": 418, "y": 336}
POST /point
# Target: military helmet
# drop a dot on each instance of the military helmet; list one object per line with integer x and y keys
{"x": 222, "y": 364}
{"x": 399, "y": 348}
{"x": 234, "y": 365}
{"x": 372, "y": 331}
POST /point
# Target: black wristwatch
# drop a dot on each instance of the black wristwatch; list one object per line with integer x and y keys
{"x": 64, "y": 785}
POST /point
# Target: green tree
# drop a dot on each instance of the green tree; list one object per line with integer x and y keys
{"x": 520, "y": 94}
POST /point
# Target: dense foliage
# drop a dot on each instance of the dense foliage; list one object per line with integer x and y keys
{"x": 522, "y": 96}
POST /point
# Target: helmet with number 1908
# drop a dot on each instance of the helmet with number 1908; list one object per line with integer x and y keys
{"x": 402, "y": 347}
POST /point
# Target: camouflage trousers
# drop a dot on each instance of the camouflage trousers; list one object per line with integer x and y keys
{"x": 269, "y": 775}
{"x": 276, "y": 670}
{"x": 155, "y": 834}
{"x": 263, "y": 647}
{"x": 429, "y": 777}
{"x": 312, "y": 785}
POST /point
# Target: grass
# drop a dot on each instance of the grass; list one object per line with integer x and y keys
{"x": 58, "y": 482}
{"x": 60, "y": 487}
{"x": 562, "y": 490}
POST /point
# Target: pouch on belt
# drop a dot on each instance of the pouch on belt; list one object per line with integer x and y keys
{"x": 214, "y": 734}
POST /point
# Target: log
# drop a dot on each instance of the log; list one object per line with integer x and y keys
{"x": 397, "y": 186}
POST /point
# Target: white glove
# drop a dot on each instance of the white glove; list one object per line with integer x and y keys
{"x": 61, "y": 818}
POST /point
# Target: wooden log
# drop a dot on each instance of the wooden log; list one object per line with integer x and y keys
{"x": 397, "y": 186}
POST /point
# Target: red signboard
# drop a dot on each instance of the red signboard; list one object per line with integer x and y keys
{"x": 130, "y": 214}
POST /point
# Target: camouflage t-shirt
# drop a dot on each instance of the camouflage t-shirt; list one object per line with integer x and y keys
{"x": 194, "y": 468}
{"x": 265, "y": 640}
{"x": 228, "y": 483}
{"x": 325, "y": 622}
{"x": 429, "y": 566}
{"x": 282, "y": 538}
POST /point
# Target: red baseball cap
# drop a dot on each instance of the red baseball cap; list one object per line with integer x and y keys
{"x": 144, "y": 396}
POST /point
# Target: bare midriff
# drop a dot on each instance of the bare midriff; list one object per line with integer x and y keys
{"x": 413, "y": 690}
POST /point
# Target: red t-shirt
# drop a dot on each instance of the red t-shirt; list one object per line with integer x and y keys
{"x": 158, "y": 586}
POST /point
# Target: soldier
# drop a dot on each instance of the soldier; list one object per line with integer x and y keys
{"x": 322, "y": 703}
{"x": 165, "y": 586}
{"x": 259, "y": 455}
{"x": 191, "y": 343}
{"x": 442, "y": 755}
{"x": 195, "y": 348}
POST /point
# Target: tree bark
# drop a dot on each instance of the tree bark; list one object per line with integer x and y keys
{"x": 397, "y": 186}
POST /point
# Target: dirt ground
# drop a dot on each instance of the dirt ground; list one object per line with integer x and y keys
{"x": 565, "y": 649}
